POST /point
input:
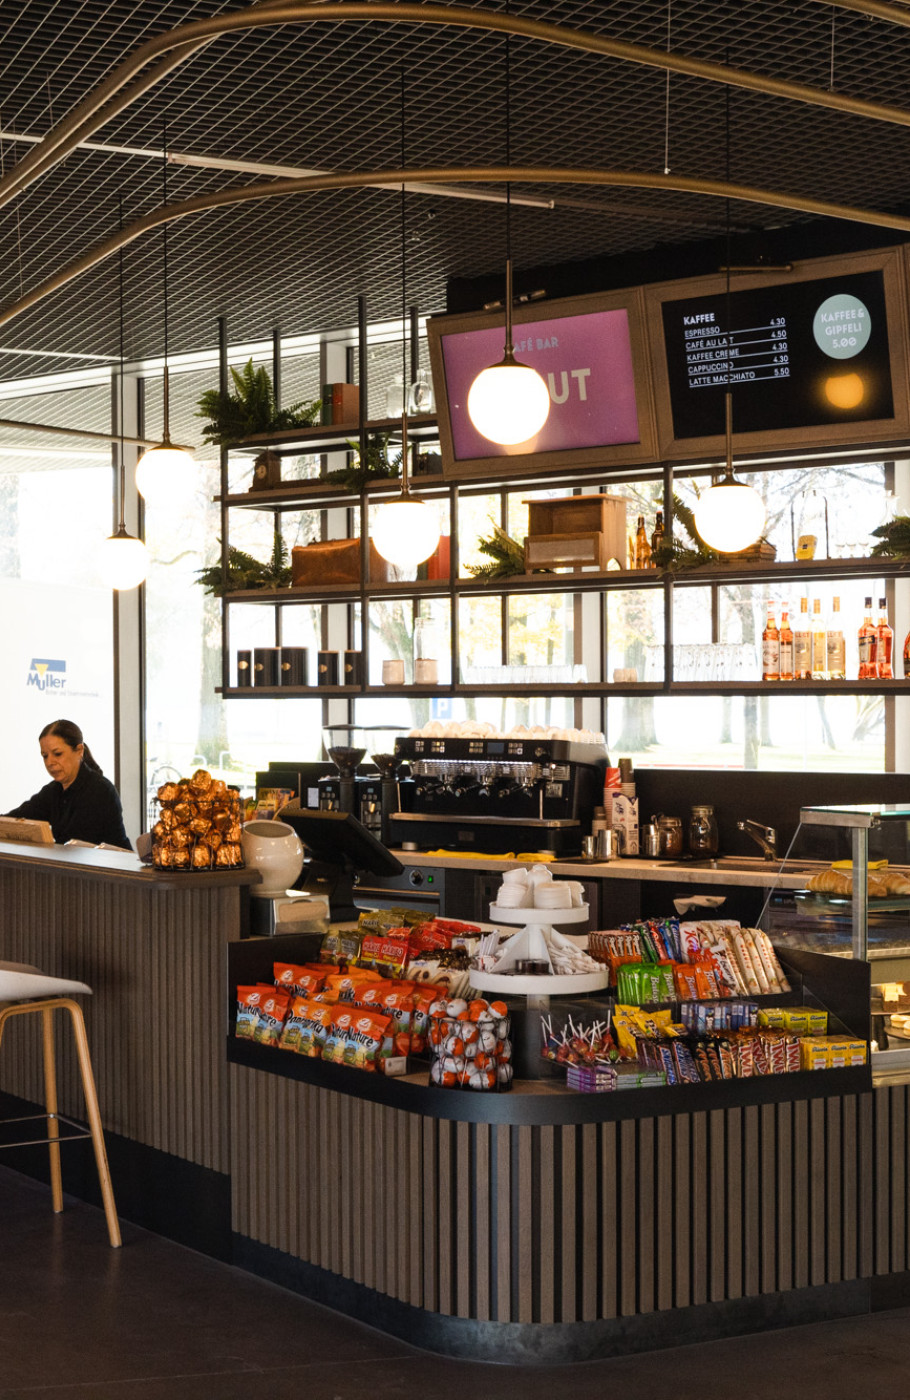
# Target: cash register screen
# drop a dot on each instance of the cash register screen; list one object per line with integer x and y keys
{"x": 23, "y": 829}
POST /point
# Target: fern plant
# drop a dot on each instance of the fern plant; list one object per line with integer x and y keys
{"x": 244, "y": 571}
{"x": 507, "y": 556}
{"x": 894, "y": 538}
{"x": 377, "y": 465}
{"x": 250, "y": 410}
{"x": 673, "y": 554}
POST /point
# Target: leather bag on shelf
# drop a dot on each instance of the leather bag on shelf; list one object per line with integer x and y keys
{"x": 334, "y": 561}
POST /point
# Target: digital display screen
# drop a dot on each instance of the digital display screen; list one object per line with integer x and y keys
{"x": 586, "y": 361}
{"x": 795, "y": 355}
{"x": 494, "y": 747}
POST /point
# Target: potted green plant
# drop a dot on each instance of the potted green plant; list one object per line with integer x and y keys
{"x": 377, "y": 464}
{"x": 243, "y": 571}
{"x": 250, "y": 411}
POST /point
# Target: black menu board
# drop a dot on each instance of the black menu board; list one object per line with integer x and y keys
{"x": 803, "y": 354}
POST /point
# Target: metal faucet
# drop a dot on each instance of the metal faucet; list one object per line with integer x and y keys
{"x": 765, "y": 836}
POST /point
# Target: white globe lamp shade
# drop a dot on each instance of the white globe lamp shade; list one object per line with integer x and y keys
{"x": 405, "y": 532}
{"x": 730, "y": 516}
{"x": 166, "y": 475}
{"x": 276, "y": 851}
{"x": 123, "y": 561}
{"x": 508, "y": 403}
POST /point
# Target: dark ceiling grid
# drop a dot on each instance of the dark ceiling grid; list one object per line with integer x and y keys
{"x": 326, "y": 95}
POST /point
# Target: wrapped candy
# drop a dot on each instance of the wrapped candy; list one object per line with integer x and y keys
{"x": 198, "y": 827}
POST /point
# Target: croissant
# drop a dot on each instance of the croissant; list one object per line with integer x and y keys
{"x": 830, "y": 882}
{"x": 895, "y": 882}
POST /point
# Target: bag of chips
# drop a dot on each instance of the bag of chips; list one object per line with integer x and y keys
{"x": 298, "y": 980}
{"x": 249, "y": 1000}
{"x": 354, "y": 1037}
{"x": 272, "y": 1011}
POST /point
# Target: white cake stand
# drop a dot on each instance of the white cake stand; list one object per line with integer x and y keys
{"x": 530, "y": 943}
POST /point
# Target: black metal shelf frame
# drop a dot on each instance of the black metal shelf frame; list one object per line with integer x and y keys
{"x": 313, "y": 494}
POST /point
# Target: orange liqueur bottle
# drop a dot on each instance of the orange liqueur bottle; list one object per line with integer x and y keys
{"x": 884, "y": 643}
{"x": 770, "y": 649}
{"x": 868, "y": 639}
{"x": 786, "y": 645}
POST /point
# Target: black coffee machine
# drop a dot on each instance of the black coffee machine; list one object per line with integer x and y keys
{"x": 498, "y": 795}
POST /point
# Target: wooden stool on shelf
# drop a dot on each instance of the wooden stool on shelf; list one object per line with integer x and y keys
{"x": 26, "y": 991}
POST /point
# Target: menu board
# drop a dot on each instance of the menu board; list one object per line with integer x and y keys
{"x": 801, "y": 354}
{"x": 586, "y": 363}
{"x": 591, "y": 352}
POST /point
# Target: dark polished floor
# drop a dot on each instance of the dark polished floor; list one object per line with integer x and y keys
{"x": 154, "y": 1321}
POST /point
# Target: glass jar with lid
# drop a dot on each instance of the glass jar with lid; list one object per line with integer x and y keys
{"x": 703, "y": 838}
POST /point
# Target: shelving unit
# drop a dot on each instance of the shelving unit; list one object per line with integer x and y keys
{"x": 320, "y": 495}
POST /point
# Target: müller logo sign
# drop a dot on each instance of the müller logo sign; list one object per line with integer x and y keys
{"x": 44, "y": 674}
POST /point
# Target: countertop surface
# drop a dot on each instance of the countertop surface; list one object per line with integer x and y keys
{"x": 91, "y": 863}
{"x": 732, "y": 870}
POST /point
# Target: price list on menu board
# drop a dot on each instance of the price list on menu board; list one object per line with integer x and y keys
{"x": 794, "y": 355}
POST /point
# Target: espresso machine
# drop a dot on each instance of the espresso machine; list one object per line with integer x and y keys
{"x": 498, "y": 795}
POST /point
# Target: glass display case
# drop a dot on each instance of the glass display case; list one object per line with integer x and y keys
{"x": 863, "y": 913}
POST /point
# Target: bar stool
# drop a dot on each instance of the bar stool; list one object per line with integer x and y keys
{"x": 26, "y": 991}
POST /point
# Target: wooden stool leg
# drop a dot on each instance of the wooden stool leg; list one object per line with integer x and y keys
{"x": 50, "y": 1103}
{"x": 94, "y": 1119}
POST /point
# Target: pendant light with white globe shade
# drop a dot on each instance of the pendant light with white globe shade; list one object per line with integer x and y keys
{"x": 122, "y": 558}
{"x": 730, "y": 515}
{"x": 509, "y": 402}
{"x": 404, "y": 531}
{"x": 165, "y": 475}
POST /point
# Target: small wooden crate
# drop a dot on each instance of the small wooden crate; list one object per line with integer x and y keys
{"x": 576, "y": 532}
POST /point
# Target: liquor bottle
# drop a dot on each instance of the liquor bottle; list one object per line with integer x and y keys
{"x": 884, "y": 644}
{"x": 802, "y": 644}
{"x": 770, "y": 648}
{"x": 786, "y": 644}
{"x": 837, "y": 650}
{"x": 819, "y": 643}
{"x": 907, "y": 656}
{"x": 657, "y": 534}
{"x": 642, "y": 547}
{"x": 868, "y": 638}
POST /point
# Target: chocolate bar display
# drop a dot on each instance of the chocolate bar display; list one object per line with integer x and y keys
{"x": 198, "y": 826}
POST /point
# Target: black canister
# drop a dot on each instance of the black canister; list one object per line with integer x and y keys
{"x": 353, "y": 668}
{"x": 265, "y": 665}
{"x": 327, "y": 668}
{"x": 244, "y": 669}
{"x": 293, "y": 666}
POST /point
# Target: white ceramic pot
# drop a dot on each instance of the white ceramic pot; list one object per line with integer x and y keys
{"x": 276, "y": 851}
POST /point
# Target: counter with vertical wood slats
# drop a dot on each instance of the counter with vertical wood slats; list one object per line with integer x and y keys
{"x": 154, "y": 951}
{"x": 562, "y": 1241}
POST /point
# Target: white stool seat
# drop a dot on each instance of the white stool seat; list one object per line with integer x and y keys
{"x": 20, "y": 982}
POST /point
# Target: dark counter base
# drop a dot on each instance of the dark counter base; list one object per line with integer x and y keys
{"x": 175, "y": 1198}
{"x": 559, "y": 1343}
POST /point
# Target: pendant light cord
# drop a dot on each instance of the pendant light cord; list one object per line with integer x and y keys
{"x": 510, "y": 349}
{"x": 404, "y": 316}
{"x": 165, "y": 407}
{"x": 122, "y": 525}
{"x": 728, "y": 395}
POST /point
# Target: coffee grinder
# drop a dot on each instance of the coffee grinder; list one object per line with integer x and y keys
{"x": 372, "y": 798}
{"x": 343, "y": 746}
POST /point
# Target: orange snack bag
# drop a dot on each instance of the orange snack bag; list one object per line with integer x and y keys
{"x": 249, "y": 1000}
{"x": 272, "y": 1011}
{"x": 298, "y": 980}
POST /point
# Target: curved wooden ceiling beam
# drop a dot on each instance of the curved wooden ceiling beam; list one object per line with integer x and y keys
{"x": 498, "y": 174}
{"x": 877, "y": 9}
{"x": 108, "y": 98}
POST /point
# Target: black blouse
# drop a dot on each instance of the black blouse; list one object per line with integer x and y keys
{"x": 88, "y": 810}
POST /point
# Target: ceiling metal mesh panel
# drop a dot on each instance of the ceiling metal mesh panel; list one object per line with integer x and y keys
{"x": 327, "y": 95}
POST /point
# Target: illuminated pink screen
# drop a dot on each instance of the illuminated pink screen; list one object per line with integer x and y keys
{"x": 586, "y": 362}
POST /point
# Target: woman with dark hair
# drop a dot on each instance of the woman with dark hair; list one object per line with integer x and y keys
{"x": 80, "y": 803}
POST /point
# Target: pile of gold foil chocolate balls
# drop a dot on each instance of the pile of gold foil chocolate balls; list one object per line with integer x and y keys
{"x": 198, "y": 827}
